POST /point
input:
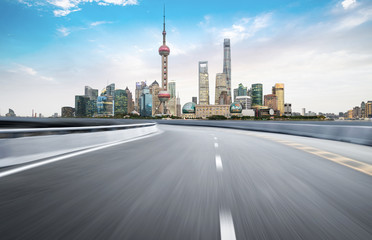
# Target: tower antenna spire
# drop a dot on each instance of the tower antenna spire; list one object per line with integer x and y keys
{"x": 164, "y": 32}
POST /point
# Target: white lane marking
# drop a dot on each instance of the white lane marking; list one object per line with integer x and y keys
{"x": 215, "y": 138}
{"x": 55, "y": 159}
{"x": 219, "y": 163}
{"x": 227, "y": 225}
{"x": 216, "y": 145}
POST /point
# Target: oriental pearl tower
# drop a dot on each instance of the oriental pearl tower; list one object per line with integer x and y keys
{"x": 164, "y": 52}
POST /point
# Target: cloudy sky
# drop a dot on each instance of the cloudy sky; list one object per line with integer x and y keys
{"x": 50, "y": 49}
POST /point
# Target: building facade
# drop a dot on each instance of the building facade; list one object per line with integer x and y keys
{"x": 271, "y": 101}
{"x": 257, "y": 94}
{"x": 120, "y": 102}
{"x": 203, "y": 83}
{"x": 227, "y": 64}
{"x": 287, "y": 109}
{"x": 245, "y": 101}
{"x": 240, "y": 91}
{"x": 368, "y": 109}
{"x": 279, "y": 92}
{"x": 205, "y": 111}
{"x": 221, "y": 85}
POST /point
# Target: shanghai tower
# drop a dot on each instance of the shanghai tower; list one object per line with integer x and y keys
{"x": 227, "y": 64}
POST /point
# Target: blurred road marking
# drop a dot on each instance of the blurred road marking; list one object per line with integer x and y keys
{"x": 216, "y": 145}
{"x": 227, "y": 225}
{"x": 69, "y": 155}
{"x": 219, "y": 163}
{"x": 215, "y": 138}
{"x": 348, "y": 162}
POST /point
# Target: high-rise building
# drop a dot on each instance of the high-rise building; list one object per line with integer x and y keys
{"x": 356, "y": 112}
{"x": 120, "y": 102}
{"x": 240, "y": 91}
{"x": 138, "y": 92}
{"x": 221, "y": 85}
{"x": 146, "y": 103}
{"x": 172, "y": 89}
{"x": 271, "y": 101}
{"x": 172, "y": 102}
{"x": 363, "y": 109}
{"x": 279, "y": 92}
{"x": 257, "y": 94}
{"x": 195, "y": 100}
{"x": 91, "y": 93}
{"x": 110, "y": 89}
{"x": 223, "y": 99}
{"x": 368, "y": 109}
{"x": 154, "y": 90}
{"x": 81, "y": 106}
{"x": 227, "y": 64}
{"x": 130, "y": 100}
{"x": 203, "y": 83}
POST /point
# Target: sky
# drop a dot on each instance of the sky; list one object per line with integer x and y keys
{"x": 50, "y": 49}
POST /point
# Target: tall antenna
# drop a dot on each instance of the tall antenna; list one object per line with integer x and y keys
{"x": 164, "y": 18}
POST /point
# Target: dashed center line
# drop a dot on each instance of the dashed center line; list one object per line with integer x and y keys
{"x": 215, "y": 138}
{"x": 219, "y": 163}
{"x": 227, "y": 229}
{"x": 216, "y": 145}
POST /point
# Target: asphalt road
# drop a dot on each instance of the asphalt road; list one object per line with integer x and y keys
{"x": 196, "y": 183}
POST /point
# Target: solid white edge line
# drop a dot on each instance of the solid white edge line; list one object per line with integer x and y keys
{"x": 219, "y": 163}
{"x": 227, "y": 229}
{"x": 69, "y": 155}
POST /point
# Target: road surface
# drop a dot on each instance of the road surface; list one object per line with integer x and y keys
{"x": 195, "y": 183}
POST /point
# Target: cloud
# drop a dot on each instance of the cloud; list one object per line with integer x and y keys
{"x": 65, "y": 7}
{"x": 94, "y": 24}
{"x": 64, "y": 31}
{"x": 346, "y": 4}
{"x": 27, "y": 70}
{"x": 247, "y": 27}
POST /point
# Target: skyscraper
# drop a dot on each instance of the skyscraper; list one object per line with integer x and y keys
{"x": 146, "y": 103}
{"x": 154, "y": 90}
{"x": 138, "y": 92}
{"x": 130, "y": 100}
{"x": 172, "y": 103}
{"x": 256, "y": 94}
{"x": 227, "y": 64}
{"x": 279, "y": 92}
{"x": 81, "y": 105}
{"x": 203, "y": 83}
{"x": 240, "y": 91}
{"x": 91, "y": 93}
{"x": 120, "y": 102}
{"x": 220, "y": 86}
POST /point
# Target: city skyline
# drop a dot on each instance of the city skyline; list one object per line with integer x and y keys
{"x": 321, "y": 53}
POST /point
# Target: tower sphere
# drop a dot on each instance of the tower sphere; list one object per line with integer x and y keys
{"x": 164, "y": 50}
{"x": 163, "y": 96}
